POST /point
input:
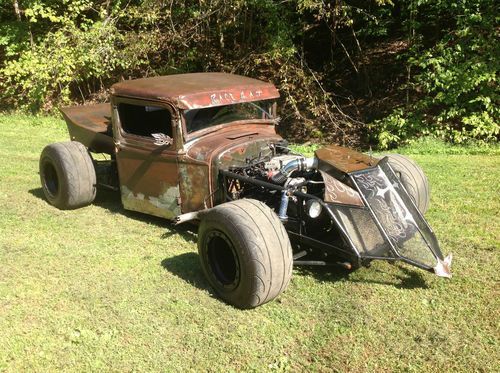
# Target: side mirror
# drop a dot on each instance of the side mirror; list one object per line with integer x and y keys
{"x": 162, "y": 139}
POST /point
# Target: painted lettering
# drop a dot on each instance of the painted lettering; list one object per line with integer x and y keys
{"x": 229, "y": 97}
{"x": 213, "y": 99}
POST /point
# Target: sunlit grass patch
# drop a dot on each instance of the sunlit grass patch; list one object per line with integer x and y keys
{"x": 100, "y": 288}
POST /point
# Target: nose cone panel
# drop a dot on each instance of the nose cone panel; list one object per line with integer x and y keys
{"x": 389, "y": 225}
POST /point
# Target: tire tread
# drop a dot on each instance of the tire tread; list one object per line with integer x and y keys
{"x": 267, "y": 247}
{"x": 75, "y": 172}
{"x": 413, "y": 179}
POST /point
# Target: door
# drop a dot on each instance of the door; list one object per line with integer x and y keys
{"x": 146, "y": 157}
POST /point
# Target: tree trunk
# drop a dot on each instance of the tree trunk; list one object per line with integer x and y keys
{"x": 17, "y": 10}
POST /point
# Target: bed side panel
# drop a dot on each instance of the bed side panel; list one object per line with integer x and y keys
{"x": 91, "y": 125}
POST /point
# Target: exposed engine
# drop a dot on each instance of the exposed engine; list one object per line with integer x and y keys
{"x": 279, "y": 165}
{"x": 276, "y": 164}
{"x": 365, "y": 211}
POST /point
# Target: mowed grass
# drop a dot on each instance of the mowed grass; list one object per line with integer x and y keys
{"x": 102, "y": 289}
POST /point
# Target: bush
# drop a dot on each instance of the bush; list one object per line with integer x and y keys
{"x": 69, "y": 63}
{"x": 55, "y": 53}
{"x": 456, "y": 85}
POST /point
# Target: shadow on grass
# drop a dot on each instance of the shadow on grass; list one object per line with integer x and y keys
{"x": 38, "y": 193}
{"x": 111, "y": 201}
{"x": 105, "y": 198}
{"x": 187, "y": 267}
{"x": 409, "y": 278}
{"x": 182, "y": 265}
{"x": 323, "y": 273}
{"x": 187, "y": 231}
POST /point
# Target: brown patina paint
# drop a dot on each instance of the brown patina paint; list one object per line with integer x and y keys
{"x": 193, "y": 91}
{"x": 343, "y": 160}
{"x": 91, "y": 125}
{"x": 183, "y": 177}
{"x": 228, "y": 146}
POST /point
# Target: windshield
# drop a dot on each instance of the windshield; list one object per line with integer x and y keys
{"x": 198, "y": 119}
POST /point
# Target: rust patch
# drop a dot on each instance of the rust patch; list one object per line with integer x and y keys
{"x": 343, "y": 159}
{"x": 201, "y": 148}
{"x": 192, "y": 91}
{"x": 194, "y": 185}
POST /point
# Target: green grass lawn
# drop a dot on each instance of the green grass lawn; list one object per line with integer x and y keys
{"x": 100, "y": 288}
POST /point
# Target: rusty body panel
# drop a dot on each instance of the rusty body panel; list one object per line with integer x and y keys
{"x": 194, "y": 185}
{"x": 343, "y": 160}
{"x": 91, "y": 125}
{"x": 202, "y": 148}
{"x": 339, "y": 161}
{"x": 192, "y": 91}
{"x": 149, "y": 179}
{"x": 229, "y": 146}
{"x": 148, "y": 173}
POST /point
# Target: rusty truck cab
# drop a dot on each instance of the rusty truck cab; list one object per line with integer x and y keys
{"x": 163, "y": 168}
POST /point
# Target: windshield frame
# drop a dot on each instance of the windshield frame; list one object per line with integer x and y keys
{"x": 201, "y": 132}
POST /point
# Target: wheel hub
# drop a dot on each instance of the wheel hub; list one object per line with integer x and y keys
{"x": 223, "y": 260}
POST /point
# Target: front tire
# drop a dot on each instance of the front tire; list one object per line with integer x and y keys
{"x": 67, "y": 175}
{"x": 413, "y": 179}
{"x": 245, "y": 252}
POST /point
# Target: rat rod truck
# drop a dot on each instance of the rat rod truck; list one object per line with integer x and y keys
{"x": 202, "y": 147}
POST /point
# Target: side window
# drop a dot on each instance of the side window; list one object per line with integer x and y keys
{"x": 145, "y": 120}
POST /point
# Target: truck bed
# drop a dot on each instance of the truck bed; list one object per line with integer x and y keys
{"x": 91, "y": 125}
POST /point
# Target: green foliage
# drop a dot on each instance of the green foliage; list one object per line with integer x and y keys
{"x": 13, "y": 38}
{"x": 306, "y": 149}
{"x": 76, "y": 53}
{"x": 456, "y": 83}
{"x": 328, "y": 59}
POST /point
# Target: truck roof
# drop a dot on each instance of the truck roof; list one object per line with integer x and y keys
{"x": 197, "y": 90}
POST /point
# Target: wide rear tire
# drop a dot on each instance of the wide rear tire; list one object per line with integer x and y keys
{"x": 67, "y": 175}
{"x": 245, "y": 252}
{"x": 413, "y": 179}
